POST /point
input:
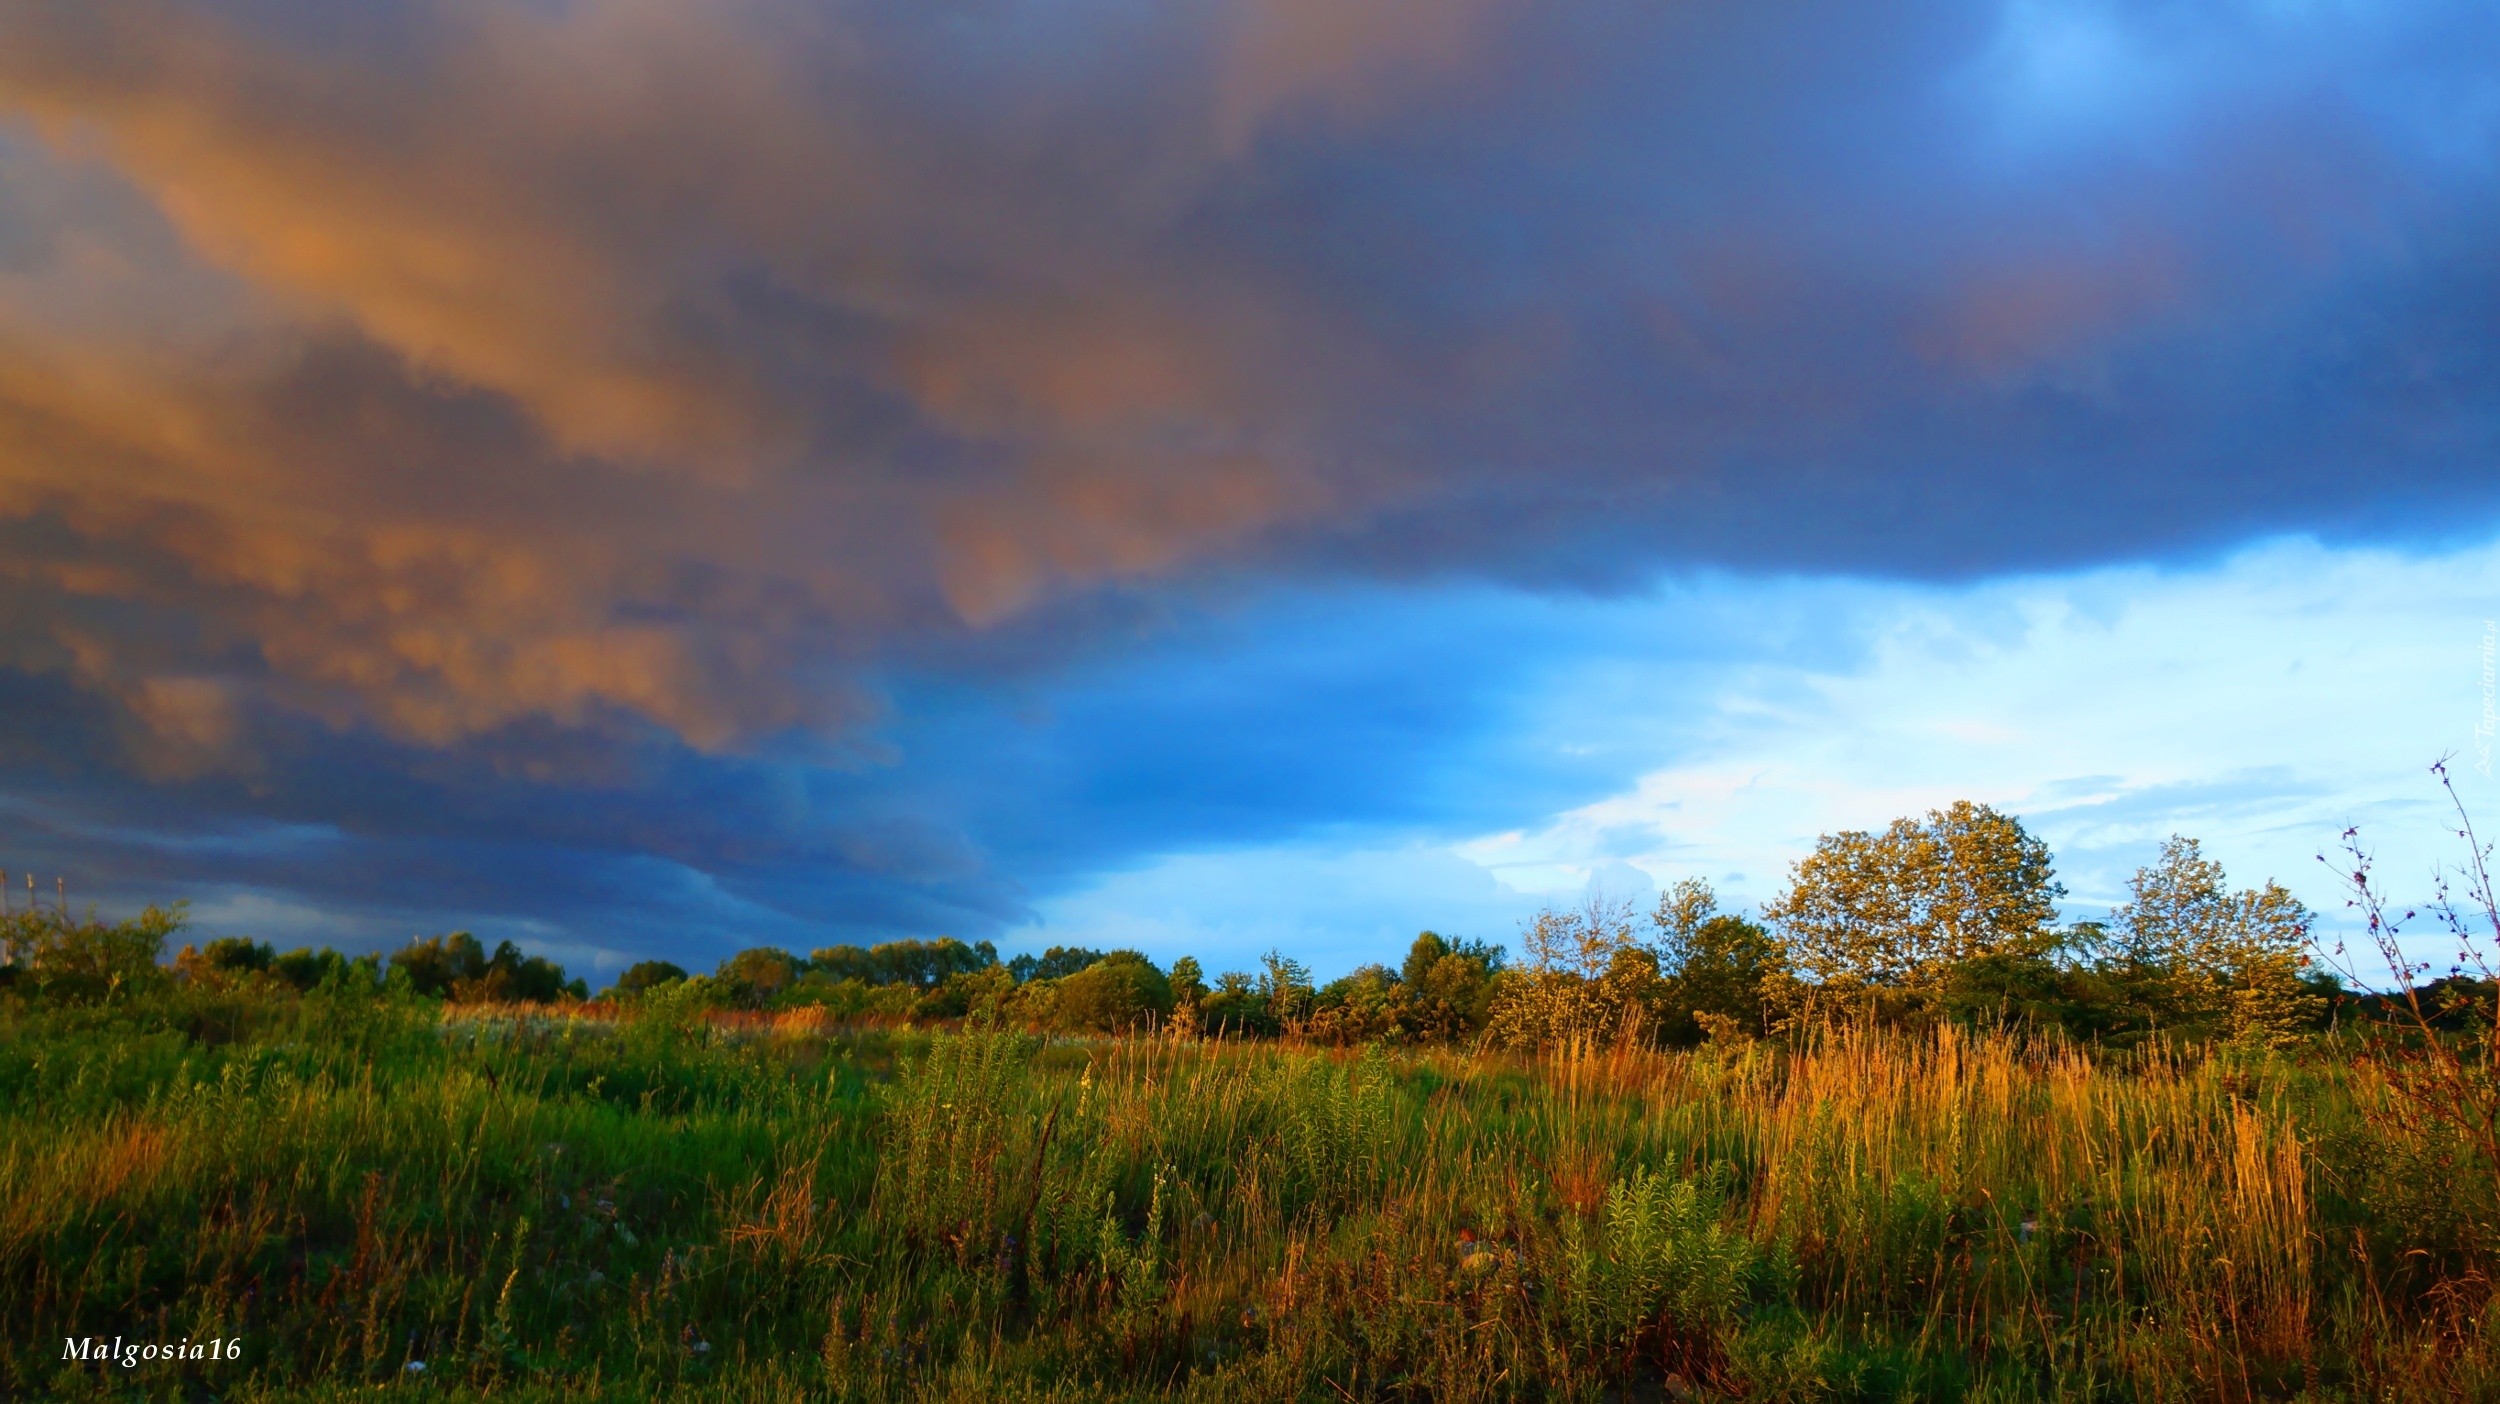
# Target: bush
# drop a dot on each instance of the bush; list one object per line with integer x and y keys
{"x": 64, "y": 959}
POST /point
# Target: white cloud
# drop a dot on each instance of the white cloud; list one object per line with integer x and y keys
{"x": 2259, "y": 703}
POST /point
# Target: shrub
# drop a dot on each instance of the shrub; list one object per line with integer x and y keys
{"x": 73, "y": 960}
{"x": 1663, "y": 1263}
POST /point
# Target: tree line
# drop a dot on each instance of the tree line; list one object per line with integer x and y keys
{"x": 1950, "y": 915}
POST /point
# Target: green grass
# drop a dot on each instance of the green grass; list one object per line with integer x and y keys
{"x": 542, "y": 1206}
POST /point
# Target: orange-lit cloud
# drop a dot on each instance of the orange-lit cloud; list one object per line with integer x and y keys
{"x": 448, "y": 367}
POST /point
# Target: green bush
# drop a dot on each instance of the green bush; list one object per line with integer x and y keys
{"x": 1114, "y": 994}
{"x": 61, "y": 958}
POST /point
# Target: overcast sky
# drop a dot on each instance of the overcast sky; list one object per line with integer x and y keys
{"x": 647, "y": 479}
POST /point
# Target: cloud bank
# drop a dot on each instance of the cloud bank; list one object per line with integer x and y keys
{"x": 564, "y": 445}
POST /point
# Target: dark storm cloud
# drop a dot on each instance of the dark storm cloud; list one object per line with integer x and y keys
{"x": 519, "y": 437}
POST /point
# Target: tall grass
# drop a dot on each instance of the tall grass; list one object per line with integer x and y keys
{"x": 529, "y": 1206}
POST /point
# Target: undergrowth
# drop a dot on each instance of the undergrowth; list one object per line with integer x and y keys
{"x": 373, "y": 1198}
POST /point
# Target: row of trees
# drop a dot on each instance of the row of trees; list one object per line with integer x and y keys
{"x": 1444, "y": 988}
{"x": 1954, "y": 915}
{"x": 1950, "y": 916}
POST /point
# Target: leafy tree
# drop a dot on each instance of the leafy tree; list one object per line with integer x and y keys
{"x": 456, "y": 967}
{"x": 1724, "y": 974}
{"x": 1285, "y": 987}
{"x": 986, "y": 993}
{"x": 752, "y": 977}
{"x": 648, "y": 974}
{"x": 1367, "y": 1003}
{"x": 433, "y": 966}
{"x": 924, "y": 965}
{"x": 1112, "y": 995}
{"x": 1234, "y": 1005}
{"x": 2207, "y": 954}
{"x": 1056, "y": 963}
{"x": 1428, "y": 949}
{"x": 845, "y": 962}
{"x": 1189, "y": 981}
{"x": 68, "y": 959}
{"x": 1895, "y": 913}
{"x": 1588, "y": 979}
{"x": 309, "y": 969}
{"x": 226, "y": 961}
{"x": 238, "y": 954}
{"x": 1448, "y": 983}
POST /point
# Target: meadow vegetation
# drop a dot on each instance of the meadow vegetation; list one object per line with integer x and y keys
{"x": 1906, "y": 1139}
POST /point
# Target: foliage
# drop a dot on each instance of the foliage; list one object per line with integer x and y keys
{"x": 456, "y": 967}
{"x": 1726, "y": 977}
{"x": 2200, "y": 953}
{"x": 1892, "y": 914}
{"x": 1587, "y": 980}
{"x": 1189, "y": 980}
{"x": 752, "y": 978}
{"x": 1056, "y": 963}
{"x": 923, "y": 965}
{"x": 65, "y": 958}
{"x": 565, "y": 1203}
{"x": 647, "y": 975}
{"x": 1112, "y": 995}
{"x": 1660, "y": 1260}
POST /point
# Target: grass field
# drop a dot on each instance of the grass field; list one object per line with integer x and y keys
{"x": 380, "y": 1196}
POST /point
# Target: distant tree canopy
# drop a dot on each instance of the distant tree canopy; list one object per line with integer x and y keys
{"x": 923, "y": 965}
{"x": 1949, "y": 916}
{"x": 457, "y": 968}
{"x": 1057, "y": 963}
{"x": 649, "y": 975}
{"x": 1586, "y": 979}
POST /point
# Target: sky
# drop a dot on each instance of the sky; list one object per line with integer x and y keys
{"x": 643, "y": 480}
